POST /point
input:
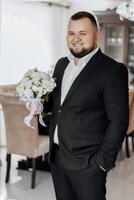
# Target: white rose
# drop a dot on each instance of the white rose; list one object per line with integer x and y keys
{"x": 34, "y": 88}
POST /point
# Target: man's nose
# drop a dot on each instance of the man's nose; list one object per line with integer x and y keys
{"x": 76, "y": 38}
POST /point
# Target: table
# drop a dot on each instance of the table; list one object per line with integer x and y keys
{"x": 131, "y": 111}
{"x": 130, "y": 130}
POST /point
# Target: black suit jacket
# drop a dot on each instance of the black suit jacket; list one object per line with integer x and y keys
{"x": 93, "y": 119}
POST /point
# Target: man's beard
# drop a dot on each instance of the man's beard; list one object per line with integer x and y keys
{"x": 82, "y": 53}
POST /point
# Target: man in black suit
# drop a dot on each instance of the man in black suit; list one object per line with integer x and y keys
{"x": 89, "y": 114}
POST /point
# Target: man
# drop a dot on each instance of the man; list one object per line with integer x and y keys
{"x": 89, "y": 114}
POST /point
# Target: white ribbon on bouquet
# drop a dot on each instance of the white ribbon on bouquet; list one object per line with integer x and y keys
{"x": 35, "y": 107}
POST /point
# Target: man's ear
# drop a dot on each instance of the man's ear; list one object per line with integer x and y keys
{"x": 97, "y": 37}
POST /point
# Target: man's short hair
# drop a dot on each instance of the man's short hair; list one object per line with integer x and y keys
{"x": 84, "y": 14}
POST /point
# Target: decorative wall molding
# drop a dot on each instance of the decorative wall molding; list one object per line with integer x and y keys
{"x": 61, "y": 4}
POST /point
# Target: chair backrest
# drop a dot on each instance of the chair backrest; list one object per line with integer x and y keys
{"x": 20, "y": 138}
{"x": 8, "y": 89}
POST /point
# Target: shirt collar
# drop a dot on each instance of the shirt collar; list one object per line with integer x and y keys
{"x": 84, "y": 59}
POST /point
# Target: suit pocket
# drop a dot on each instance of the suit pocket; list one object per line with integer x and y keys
{"x": 97, "y": 169}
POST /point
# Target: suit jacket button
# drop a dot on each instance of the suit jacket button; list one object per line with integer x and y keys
{"x": 59, "y": 111}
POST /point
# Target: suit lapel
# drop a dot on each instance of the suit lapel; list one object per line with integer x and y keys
{"x": 87, "y": 70}
{"x": 59, "y": 75}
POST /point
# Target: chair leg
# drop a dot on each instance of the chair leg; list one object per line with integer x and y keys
{"x": 127, "y": 147}
{"x": 46, "y": 157}
{"x": 8, "y": 159}
{"x": 33, "y": 173}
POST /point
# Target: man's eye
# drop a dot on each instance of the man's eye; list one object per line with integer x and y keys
{"x": 70, "y": 33}
{"x": 82, "y": 33}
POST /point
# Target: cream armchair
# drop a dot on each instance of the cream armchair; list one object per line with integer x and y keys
{"x": 20, "y": 138}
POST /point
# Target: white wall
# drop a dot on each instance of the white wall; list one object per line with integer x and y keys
{"x": 30, "y": 37}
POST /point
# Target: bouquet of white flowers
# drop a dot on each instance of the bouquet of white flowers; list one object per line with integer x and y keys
{"x": 33, "y": 89}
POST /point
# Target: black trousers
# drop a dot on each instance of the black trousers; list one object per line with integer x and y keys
{"x": 84, "y": 184}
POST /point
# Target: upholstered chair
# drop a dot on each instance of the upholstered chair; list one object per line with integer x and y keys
{"x": 21, "y": 139}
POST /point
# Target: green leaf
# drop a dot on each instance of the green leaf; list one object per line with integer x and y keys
{"x": 46, "y": 98}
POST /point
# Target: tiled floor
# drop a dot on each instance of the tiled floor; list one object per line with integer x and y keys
{"x": 120, "y": 182}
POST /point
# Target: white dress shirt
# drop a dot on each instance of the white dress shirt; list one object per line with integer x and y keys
{"x": 70, "y": 74}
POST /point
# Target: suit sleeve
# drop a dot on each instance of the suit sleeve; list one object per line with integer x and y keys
{"x": 117, "y": 110}
{"x": 47, "y": 109}
{"x": 49, "y": 105}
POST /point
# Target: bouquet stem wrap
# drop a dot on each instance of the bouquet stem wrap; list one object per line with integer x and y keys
{"x": 35, "y": 107}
